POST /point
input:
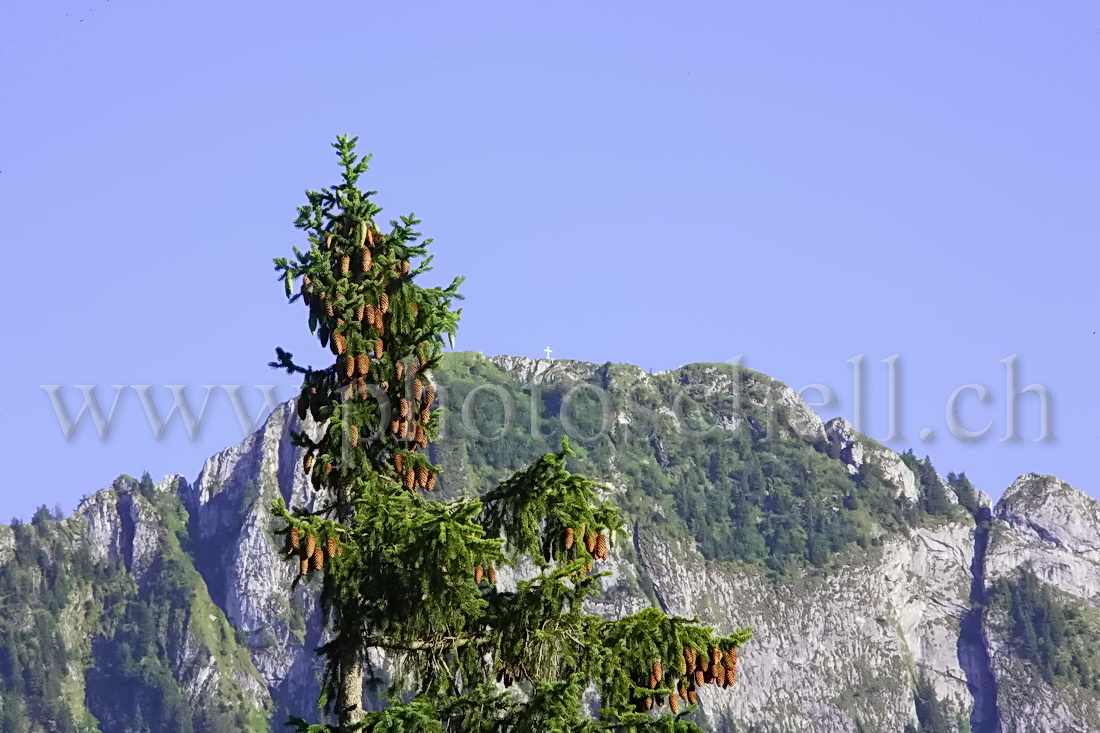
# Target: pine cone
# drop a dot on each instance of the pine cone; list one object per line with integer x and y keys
{"x": 422, "y": 476}
{"x": 385, "y": 386}
{"x": 648, "y": 703}
{"x": 715, "y": 655}
{"x": 416, "y": 309}
{"x": 405, "y": 268}
{"x": 360, "y": 313}
{"x": 719, "y": 675}
{"x": 492, "y": 575}
{"x": 479, "y": 573}
{"x": 348, "y": 392}
{"x": 730, "y": 660}
{"x": 410, "y": 479}
{"x": 354, "y": 434}
{"x": 370, "y": 235}
{"x": 311, "y": 545}
{"x": 384, "y": 303}
{"x": 329, "y": 310}
{"x": 397, "y": 462}
{"x": 303, "y": 405}
{"x": 692, "y": 697}
{"x": 404, "y": 406}
{"x": 339, "y": 342}
{"x": 318, "y": 559}
{"x": 590, "y": 542}
{"x": 361, "y": 388}
{"x": 349, "y": 366}
{"x": 295, "y": 538}
{"x": 307, "y": 462}
{"x": 689, "y": 657}
{"x": 681, "y": 689}
{"x": 568, "y": 537}
{"x": 421, "y": 437}
{"x": 703, "y": 662}
{"x": 431, "y": 482}
{"x": 674, "y": 704}
{"x": 303, "y": 566}
{"x": 379, "y": 321}
{"x": 365, "y": 261}
{"x": 339, "y": 550}
{"x": 400, "y": 368}
{"x": 601, "y": 546}
{"x": 362, "y": 365}
{"x": 418, "y": 387}
{"x": 328, "y": 468}
{"x": 429, "y": 396}
{"x": 425, "y": 414}
{"x": 652, "y": 681}
{"x": 395, "y": 427}
{"x": 378, "y": 348}
{"x": 369, "y": 316}
{"x": 658, "y": 670}
{"x": 345, "y": 265}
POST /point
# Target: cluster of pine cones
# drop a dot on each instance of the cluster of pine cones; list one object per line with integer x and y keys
{"x": 312, "y": 555}
{"x": 718, "y": 668}
{"x": 479, "y": 574}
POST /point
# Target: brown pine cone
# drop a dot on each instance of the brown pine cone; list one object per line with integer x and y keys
{"x": 385, "y": 386}
{"x": 416, "y": 309}
{"x": 368, "y": 317}
{"x": 318, "y": 559}
{"x": 689, "y": 657}
{"x": 410, "y": 479}
{"x": 365, "y": 261}
{"x": 421, "y": 437}
{"x": 429, "y": 396}
{"x": 492, "y": 575}
{"x": 330, "y": 547}
{"x": 328, "y": 468}
{"x": 400, "y": 369}
{"x": 425, "y": 414}
{"x": 295, "y": 538}
{"x": 590, "y": 542}
{"x": 396, "y": 427}
{"x": 311, "y": 545}
{"x": 348, "y": 392}
{"x": 692, "y": 697}
{"x": 303, "y": 566}
{"x": 361, "y": 388}
{"x": 397, "y": 462}
{"x": 339, "y": 342}
{"x": 418, "y": 387}
{"x": 349, "y": 366}
{"x": 479, "y": 573}
{"x": 379, "y": 321}
{"x": 431, "y": 482}
{"x": 703, "y": 662}
{"x": 674, "y": 704}
{"x": 370, "y": 236}
{"x": 345, "y": 265}
{"x": 681, "y": 689}
{"x": 384, "y": 303}
{"x": 648, "y": 703}
{"x": 404, "y": 412}
{"x": 329, "y": 310}
{"x": 353, "y": 432}
{"x": 568, "y": 537}
{"x": 719, "y": 674}
{"x": 730, "y": 660}
{"x": 715, "y": 655}
{"x": 339, "y": 550}
{"x": 360, "y": 313}
{"x": 658, "y": 671}
{"x": 405, "y": 268}
{"x": 362, "y": 365}
{"x": 422, "y": 476}
{"x": 601, "y": 546}
{"x": 378, "y": 350}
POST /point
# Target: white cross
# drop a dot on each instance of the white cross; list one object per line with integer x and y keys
{"x": 548, "y": 351}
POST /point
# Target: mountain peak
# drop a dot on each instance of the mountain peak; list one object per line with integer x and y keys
{"x": 1055, "y": 512}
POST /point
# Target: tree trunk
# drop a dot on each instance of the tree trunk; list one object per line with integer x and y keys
{"x": 350, "y": 703}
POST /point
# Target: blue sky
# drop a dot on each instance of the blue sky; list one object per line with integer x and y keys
{"x": 652, "y": 182}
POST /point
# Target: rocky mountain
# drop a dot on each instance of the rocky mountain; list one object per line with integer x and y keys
{"x": 883, "y": 597}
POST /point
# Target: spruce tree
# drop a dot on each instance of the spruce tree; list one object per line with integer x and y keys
{"x": 416, "y": 577}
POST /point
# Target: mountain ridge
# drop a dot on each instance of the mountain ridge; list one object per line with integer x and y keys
{"x": 892, "y": 605}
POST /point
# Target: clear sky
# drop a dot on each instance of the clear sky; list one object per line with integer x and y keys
{"x": 647, "y": 182}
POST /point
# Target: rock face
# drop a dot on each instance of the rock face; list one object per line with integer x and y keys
{"x": 835, "y": 650}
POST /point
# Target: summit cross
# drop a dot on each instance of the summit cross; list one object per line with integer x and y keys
{"x": 548, "y": 351}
